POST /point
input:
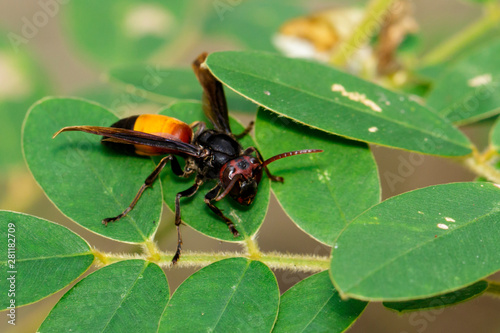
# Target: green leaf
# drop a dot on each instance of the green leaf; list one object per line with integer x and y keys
{"x": 313, "y": 305}
{"x": 165, "y": 85}
{"x": 119, "y": 32}
{"x": 468, "y": 90}
{"x": 336, "y": 102}
{"x": 84, "y": 180}
{"x": 495, "y": 136}
{"x": 232, "y": 295}
{"x": 40, "y": 258}
{"x": 420, "y": 244}
{"x": 251, "y": 24}
{"x": 194, "y": 211}
{"x": 321, "y": 191}
{"x": 128, "y": 296}
{"x": 23, "y": 84}
{"x": 440, "y": 301}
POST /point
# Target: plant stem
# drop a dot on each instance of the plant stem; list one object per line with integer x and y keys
{"x": 480, "y": 165}
{"x": 445, "y": 50}
{"x": 275, "y": 260}
{"x": 493, "y": 288}
{"x": 370, "y": 24}
{"x": 252, "y": 248}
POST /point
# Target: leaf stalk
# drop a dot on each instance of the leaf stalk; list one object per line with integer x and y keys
{"x": 453, "y": 45}
{"x": 370, "y": 24}
{"x": 481, "y": 165}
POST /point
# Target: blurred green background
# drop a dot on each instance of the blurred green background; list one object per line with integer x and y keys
{"x": 66, "y": 48}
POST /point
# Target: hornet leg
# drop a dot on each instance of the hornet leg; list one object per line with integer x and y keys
{"x": 186, "y": 193}
{"x": 245, "y": 131}
{"x": 209, "y": 197}
{"x": 147, "y": 183}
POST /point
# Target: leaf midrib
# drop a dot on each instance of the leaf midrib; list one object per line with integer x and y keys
{"x": 119, "y": 305}
{"x": 232, "y": 295}
{"x": 405, "y": 125}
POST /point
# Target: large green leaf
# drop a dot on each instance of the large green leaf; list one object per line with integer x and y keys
{"x": 336, "y": 102}
{"x": 232, "y": 295}
{"x": 469, "y": 90}
{"x": 321, "y": 191}
{"x": 120, "y": 32}
{"x": 251, "y": 23}
{"x": 84, "y": 180}
{"x": 127, "y": 296}
{"x": 440, "y": 301}
{"x": 40, "y": 258}
{"x": 420, "y": 244}
{"x": 194, "y": 211}
{"x": 165, "y": 85}
{"x": 313, "y": 305}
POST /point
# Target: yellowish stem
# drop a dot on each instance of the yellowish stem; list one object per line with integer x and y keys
{"x": 275, "y": 260}
{"x": 480, "y": 165}
{"x": 493, "y": 288}
{"x": 447, "y": 49}
{"x": 373, "y": 19}
{"x": 252, "y": 249}
{"x": 151, "y": 250}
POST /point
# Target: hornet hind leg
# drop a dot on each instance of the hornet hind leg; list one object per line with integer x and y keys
{"x": 147, "y": 183}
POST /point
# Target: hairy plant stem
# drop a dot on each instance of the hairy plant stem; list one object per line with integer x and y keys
{"x": 373, "y": 19}
{"x": 445, "y": 50}
{"x": 481, "y": 165}
{"x": 275, "y": 260}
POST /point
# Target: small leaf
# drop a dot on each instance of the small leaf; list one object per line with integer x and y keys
{"x": 40, "y": 258}
{"x": 194, "y": 211}
{"x": 128, "y": 296}
{"x": 313, "y": 305}
{"x": 495, "y": 136}
{"x": 232, "y": 295}
{"x": 420, "y": 244}
{"x": 118, "y": 32}
{"x": 440, "y": 301}
{"x": 86, "y": 181}
{"x": 321, "y": 191}
{"x": 337, "y": 103}
{"x": 165, "y": 85}
{"x": 468, "y": 90}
